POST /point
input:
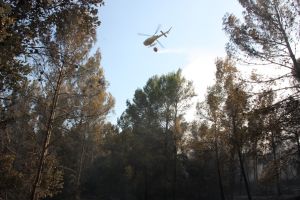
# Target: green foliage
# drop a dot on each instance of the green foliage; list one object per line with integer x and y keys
{"x": 161, "y": 101}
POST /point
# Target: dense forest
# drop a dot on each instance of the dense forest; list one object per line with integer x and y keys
{"x": 56, "y": 141}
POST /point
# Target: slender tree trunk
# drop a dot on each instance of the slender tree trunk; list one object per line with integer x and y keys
{"x": 276, "y": 164}
{"x": 45, "y": 146}
{"x": 219, "y": 171}
{"x": 237, "y": 142}
{"x": 232, "y": 173}
{"x": 80, "y": 163}
{"x": 79, "y": 171}
{"x": 175, "y": 133}
{"x": 166, "y": 159}
{"x": 174, "y": 173}
{"x": 298, "y": 142}
{"x": 285, "y": 37}
{"x": 244, "y": 174}
{"x": 218, "y": 162}
{"x": 255, "y": 163}
{"x": 298, "y": 148}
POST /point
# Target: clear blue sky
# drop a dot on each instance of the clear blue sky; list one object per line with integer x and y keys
{"x": 193, "y": 44}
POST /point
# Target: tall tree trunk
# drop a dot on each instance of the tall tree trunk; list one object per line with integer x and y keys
{"x": 243, "y": 171}
{"x": 166, "y": 159}
{"x": 174, "y": 174}
{"x": 298, "y": 149}
{"x": 46, "y": 142}
{"x": 175, "y": 133}
{"x": 276, "y": 164}
{"x": 238, "y": 147}
{"x": 79, "y": 171}
{"x": 218, "y": 162}
{"x": 219, "y": 171}
{"x": 298, "y": 143}
{"x": 232, "y": 170}
{"x": 255, "y": 162}
{"x": 285, "y": 37}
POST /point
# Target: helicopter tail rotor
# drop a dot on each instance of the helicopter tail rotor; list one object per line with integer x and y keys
{"x": 164, "y": 34}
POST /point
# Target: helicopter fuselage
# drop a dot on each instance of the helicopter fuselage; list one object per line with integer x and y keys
{"x": 151, "y": 40}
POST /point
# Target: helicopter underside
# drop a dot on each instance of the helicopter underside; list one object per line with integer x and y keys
{"x": 150, "y": 41}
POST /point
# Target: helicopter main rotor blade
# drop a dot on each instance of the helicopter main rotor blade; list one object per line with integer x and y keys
{"x": 142, "y": 34}
{"x": 160, "y": 44}
{"x": 157, "y": 29}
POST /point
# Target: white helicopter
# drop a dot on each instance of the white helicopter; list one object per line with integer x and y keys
{"x": 153, "y": 39}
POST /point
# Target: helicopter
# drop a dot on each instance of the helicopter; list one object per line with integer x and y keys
{"x": 153, "y": 39}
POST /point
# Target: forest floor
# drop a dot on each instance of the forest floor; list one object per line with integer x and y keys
{"x": 282, "y": 197}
